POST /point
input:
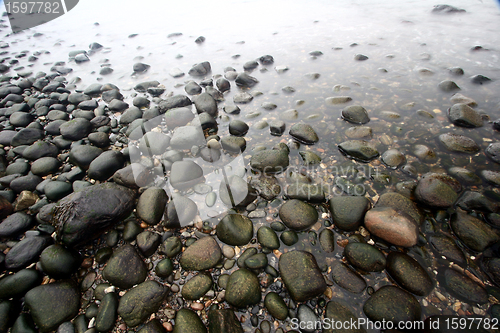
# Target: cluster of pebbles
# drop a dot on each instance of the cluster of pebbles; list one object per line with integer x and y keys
{"x": 103, "y": 228}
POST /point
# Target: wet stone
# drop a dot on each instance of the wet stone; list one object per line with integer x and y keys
{"x": 125, "y": 268}
{"x": 309, "y": 158}
{"x": 148, "y": 242}
{"x": 359, "y": 150}
{"x": 393, "y": 304}
{"x": 448, "y": 86}
{"x": 289, "y": 237}
{"x": 348, "y": 211}
{"x": 15, "y": 224}
{"x": 359, "y": 132}
{"x": 393, "y": 158}
{"x": 267, "y": 238}
{"x": 233, "y": 144}
{"x": 493, "y": 152}
{"x": 471, "y": 200}
{"x": 355, "y": 114}
{"x": 347, "y": 278}
{"x": 151, "y": 205}
{"x": 52, "y": 304}
{"x": 223, "y": 321}
{"x": 16, "y": 285}
{"x": 245, "y": 80}
{"x": 140, "y": 302}
{"x": 235, "y": 229}
{"x": 462, "y": 287}
{"x": 242, "y": 98}
{"x": 267, "y": 186}
{"x": 164, "y": 268}
{"x": 392, "y": 226}
{"x": 298, "y": 215}
{"x": 304, "y": 133}
{"x": 409, "y": 274}
{"x": 306, "y": 192}
{"x": 196, "y": 287}
{"x": 243, "y": 288}
{"x": 276, "y": 306}
{"x": 59, "y": 262}
{"x": 474, "y": 233}
{"x": 437, "y": 190}
{"x": 203, "y": 254}
{"x": 459, "y": 143}
{"x": 270, "y": 161}
{"x": 301, "y": 275}
{"x": 238, "y": 128}
{"x": 463, "y": 115}
{"x": 464, "y": 175}
{"x": 445, "y": 246}
{"x": 337, "y": 310}
{"x": 365, "y": 257}
{"x": 85, "y": 214}
{"x": 26, "y": 252}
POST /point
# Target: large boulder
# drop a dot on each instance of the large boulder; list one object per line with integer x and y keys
{"x": 84, "y": 215}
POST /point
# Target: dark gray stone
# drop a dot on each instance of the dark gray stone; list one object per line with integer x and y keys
{"x": 459, "y": 143}
{"x": 355, "y": 114}
{"x": 83, "y": 215}
{"x": 298, "y": 215}
{"x": 235, "y": 229}
{"x": 203, "y": 254}
{"x": 76, "y": 129}
{"x": 105, "y": 165}
{"x": 393, "y": 304}
{"x": 463, "y": 115}
{"x": 52, "y": 304}
{"x": 301, "y": 275}
{"x": 243, "y": 289}
{"x": 125, "y": 268}
{"x": 140, "y": 302}
{"x": 365, "y": 257}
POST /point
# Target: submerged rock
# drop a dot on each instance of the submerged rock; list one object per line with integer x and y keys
{"x": 298, "y": 215}
{"x": 301, "y": 275}
{"x": 348, "y": 212}
{"x": 459, "y": 143}
{"x": 409, "y": 274}
{"x": 392, "y": 304}
{"x": 359, "y": 150}
{"x": 462, "y": 287}
{"x": 203, "y": 254}
{"x": 493, "y": 152}
{"x": 270, "y": 161}
{"x": 474, "y": 233}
